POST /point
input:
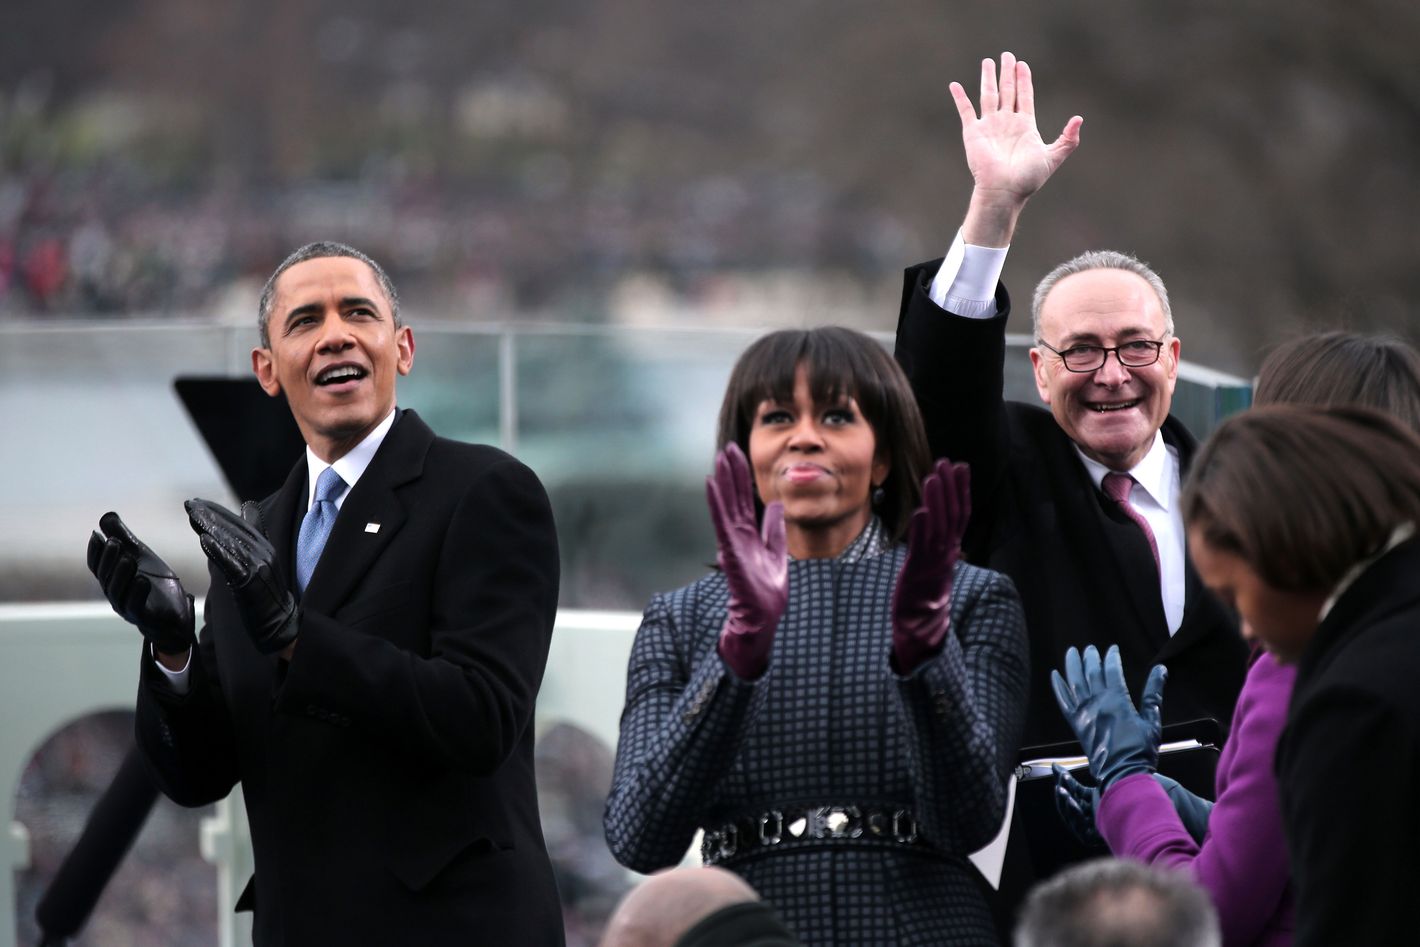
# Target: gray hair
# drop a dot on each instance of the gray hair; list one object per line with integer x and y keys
{"x": 1100, "y": 260}
{"x": 1113, "y": 902}
{"x": 315, "y": 251}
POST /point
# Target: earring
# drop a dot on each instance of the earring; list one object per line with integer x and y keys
{"x": 877, "y": 495}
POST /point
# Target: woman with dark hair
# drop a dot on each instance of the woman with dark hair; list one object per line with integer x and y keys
{"x": 1301, "y": 518}
{"x": 835, "y": 708}
{"x": 1344, "y": 368}
{"x": 1236, "y": 848}
{"x": 1305, "y": 521}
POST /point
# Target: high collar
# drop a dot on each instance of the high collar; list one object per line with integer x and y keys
{"x": 1386, "y": 585}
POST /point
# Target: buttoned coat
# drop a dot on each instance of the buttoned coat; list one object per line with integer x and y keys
{"x": 828, "y": 723}
{"x": 387, "y": 769}
{"x": 1085, "y": 572}
{"x": 1348, "y": 764}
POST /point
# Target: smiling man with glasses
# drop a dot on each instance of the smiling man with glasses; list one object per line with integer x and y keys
{"x": 1077, "y": 503}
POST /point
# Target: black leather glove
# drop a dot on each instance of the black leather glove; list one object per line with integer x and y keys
{"x": 141, "y": 587}
{"x": 1117, "y": 739}
{"x": 1078, "y": 803}
{"x": 240, "y": 549}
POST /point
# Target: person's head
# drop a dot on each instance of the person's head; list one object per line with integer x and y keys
{"x": 1283, "y": 500}
{"x": 825, "y": 417}
{"x": 1118, "y": 903}
{"x": 1109, "y": 403}
{"x": 669, "y": 903}
{"x": 1344, "y": 368}
{"x": 333, "y": 342}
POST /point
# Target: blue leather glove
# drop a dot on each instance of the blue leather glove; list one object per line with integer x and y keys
{"x": 1193, "y": 811}
{"x": 1117, "y": 739}
{"x": 1078, "y": 803}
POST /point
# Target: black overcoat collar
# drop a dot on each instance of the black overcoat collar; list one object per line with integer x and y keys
{"x": 369, "y": 517}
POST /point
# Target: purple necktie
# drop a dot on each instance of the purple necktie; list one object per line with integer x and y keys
{"x": 1118, "y": 486}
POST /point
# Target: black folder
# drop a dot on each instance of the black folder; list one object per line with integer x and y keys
{"x": 1050, "y": 844}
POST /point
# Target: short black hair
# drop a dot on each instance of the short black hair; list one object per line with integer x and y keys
{"x": 840, "y": 361}
{"x": 315, "y": 251}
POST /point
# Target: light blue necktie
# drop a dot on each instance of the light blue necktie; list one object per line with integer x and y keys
{"x": 315, "y": 528}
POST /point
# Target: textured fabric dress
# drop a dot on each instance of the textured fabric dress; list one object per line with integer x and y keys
{"x": 1242, "y": 862}
{"x": 829, "y": 724}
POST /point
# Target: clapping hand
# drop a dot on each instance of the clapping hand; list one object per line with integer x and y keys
{"x": 1117, "y": 739}
{"x": 239, "y": 548}
{"x": 141, "y": 587}
{"x": 754, "y": 560}
{"x": 921, "y": 600}
{"x": 1076, "y": 804}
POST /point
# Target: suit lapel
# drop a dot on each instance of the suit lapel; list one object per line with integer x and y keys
{"x": 370, "y": 516}
{"x": 279, "y": 514}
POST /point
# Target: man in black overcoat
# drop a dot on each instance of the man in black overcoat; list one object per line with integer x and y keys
{"x": 375, "y": 634}
{"x": 1105, "y": 364}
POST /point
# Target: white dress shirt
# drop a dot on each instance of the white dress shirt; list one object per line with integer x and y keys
{"x": 1156, "y": 499}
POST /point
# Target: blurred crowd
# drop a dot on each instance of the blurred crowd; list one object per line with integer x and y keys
{"x": 114, "y": 238}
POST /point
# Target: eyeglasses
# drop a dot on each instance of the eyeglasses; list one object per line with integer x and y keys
{"x": 1139, "y": 353}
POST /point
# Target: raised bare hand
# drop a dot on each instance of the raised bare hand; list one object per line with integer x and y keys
{"x": 1009, "y": 160}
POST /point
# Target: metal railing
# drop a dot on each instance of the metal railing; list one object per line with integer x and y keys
{"x": 60, "y": 662}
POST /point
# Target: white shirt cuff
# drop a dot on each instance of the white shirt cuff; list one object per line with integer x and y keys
{"x": 177, "y": 680}
{"x": 966, "y": 282}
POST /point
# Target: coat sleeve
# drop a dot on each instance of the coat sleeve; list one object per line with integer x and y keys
{"x": 1242, "y": 860}
{"x": 680, "y": 731}
{"x": 956, "y": 367}
{"x": 187, "y": 739}
{"x": 462, "y": 706}
{"x": 964, "y": 710}
{"x": 1348, "y": 804}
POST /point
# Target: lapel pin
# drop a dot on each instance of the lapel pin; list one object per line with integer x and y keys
{"x": 372, "y": 527}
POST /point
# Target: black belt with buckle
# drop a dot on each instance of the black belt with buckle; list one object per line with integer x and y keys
{"x": 799, "y": 826}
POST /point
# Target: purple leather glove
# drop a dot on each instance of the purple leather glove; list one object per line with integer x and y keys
{"x": 921, "y": 602}
{"x": 755, "y": 563}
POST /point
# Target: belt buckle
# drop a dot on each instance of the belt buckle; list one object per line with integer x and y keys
{"x": 729, "y": 841}
{"x": 766, "y": 837}
{"x": 835, "y": 822}
{"x": 903, "y": 818}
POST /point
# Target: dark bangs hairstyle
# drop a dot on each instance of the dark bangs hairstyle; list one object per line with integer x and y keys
{"x": 1302, "y": 493}
{"x": 1344, "y": 368}
{"x": 840, "y": 362}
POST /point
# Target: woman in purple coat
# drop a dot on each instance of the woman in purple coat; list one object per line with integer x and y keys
{"x": 1238, "y": 851}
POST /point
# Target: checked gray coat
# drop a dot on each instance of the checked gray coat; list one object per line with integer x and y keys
{"x": 829, "y": 724}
